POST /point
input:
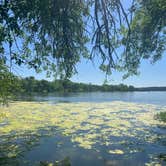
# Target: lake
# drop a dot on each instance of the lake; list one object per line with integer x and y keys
{"x": 138, "y": 97}
{"x": 84, "y": 129}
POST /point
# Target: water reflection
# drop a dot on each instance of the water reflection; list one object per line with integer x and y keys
{"x": 138, "y": 97}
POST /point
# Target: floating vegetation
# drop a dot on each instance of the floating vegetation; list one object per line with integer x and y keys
{"x": 153, "y": 164}
{"x": 116, "y": 151}
{"x": 161, "y": 116}
{"x": 110, "y": 125}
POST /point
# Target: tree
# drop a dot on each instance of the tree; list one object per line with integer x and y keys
{"x": 146, "y": 36}
{"x": 54, "y": 35}
{"x": 8, "y": 84}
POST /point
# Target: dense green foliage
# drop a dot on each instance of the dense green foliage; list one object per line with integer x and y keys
{"x": 47, "y": 34}
{"x": 30, "y": 85}
{"x": 151, "y": 89}
{"x": 55, "y": 34}
{"x": 8, "y": 84}
{"x": 146, "y": 36}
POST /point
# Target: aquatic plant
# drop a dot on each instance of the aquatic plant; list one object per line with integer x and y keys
{"x": 85, "y": 124}
{"x": 161, "y": 116}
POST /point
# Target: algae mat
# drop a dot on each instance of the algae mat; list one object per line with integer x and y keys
{"x": 120, "y": 130}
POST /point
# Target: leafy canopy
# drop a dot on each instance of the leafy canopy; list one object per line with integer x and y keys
{"x": 54, "y": 35}
{"x": 8, "y": 84}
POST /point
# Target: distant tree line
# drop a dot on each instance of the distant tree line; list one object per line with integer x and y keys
{"x": 31, "y": 85}
{"x": 151, "y": 89}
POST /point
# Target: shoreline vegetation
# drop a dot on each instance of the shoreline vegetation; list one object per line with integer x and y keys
{"x": 161, "y": 117}
{"x": 30, "y": 85}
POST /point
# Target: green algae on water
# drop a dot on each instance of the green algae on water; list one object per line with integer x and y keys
{"x": 86, "y": 124}
{"x": 116, "y": 118}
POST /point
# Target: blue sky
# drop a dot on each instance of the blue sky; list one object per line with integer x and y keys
{"x": 150, "y": 75}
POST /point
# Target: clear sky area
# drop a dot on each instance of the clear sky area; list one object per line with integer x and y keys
{"x": 150, "y": 74}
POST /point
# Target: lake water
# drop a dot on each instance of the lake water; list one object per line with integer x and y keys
{"x": 138, "y": 97}
{"x": 84, "y": 129}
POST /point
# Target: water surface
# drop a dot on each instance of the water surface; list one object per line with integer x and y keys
{"x": 84, "y": 129}
{"x": 138, "y": 97}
